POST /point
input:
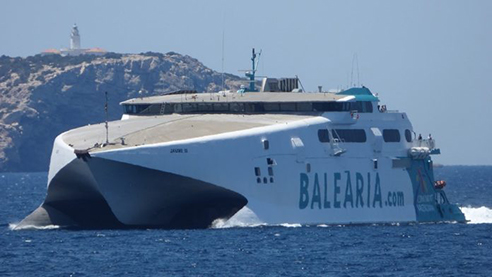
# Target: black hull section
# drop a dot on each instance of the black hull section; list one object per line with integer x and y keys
{"x": 95, "y": 193}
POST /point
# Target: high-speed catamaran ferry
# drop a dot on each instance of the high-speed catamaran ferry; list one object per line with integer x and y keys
{"x": 186, "y": 159}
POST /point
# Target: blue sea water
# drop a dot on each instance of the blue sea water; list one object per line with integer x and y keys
{"x": 254, "y": 250}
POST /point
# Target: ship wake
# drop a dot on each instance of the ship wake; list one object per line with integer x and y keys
{"x": 16, "y": 227}
{"x": 247, "y": 218}
{"x": 477, "y": 215}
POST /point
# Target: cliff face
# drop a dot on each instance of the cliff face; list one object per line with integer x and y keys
{"x": 41, "y": 97}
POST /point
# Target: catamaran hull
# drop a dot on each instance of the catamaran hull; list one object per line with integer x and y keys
{"x": 91, "y": 192}
{"x": 189, "y": 184}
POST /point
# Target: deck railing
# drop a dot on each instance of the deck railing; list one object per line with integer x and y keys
{"x": 428, "y": 143}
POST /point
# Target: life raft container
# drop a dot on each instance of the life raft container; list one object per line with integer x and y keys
{"x": 439, "y": 184}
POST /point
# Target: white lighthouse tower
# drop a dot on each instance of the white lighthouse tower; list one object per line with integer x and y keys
{"x": 75, "y": 49}
{"x": 75, "y": 38}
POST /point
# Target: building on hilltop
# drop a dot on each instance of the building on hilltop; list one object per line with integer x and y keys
{"x": 75, "y": 38}
{"x": 75, "y": 48}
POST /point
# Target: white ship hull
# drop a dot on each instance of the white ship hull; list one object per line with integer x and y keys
{"x": 293, "y": 178}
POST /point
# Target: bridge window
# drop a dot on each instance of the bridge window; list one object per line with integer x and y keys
{"x": 205, "y": 107}
{"x": 189, "y": 107}
{"x": 247, "y": 107}
{"x": 288, "y": 107}
{"x": 304, "y": 107}
{"x": 237, "y": 107}
{"x": 350, "y": 135}
{"x": 135, "y": 109}
{"x": 271, "y": 107}
{"x": 221, "y": 107}
{"x": 366, "y": 107}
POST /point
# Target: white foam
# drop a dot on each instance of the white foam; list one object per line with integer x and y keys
{"x": 290, "y": 225}
{"x": 16, "y": 227}
{"x": 244, "y": 218}
{"x": 477, "y": 215}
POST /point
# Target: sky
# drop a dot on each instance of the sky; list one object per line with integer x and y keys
{"x": 431, "y": 59}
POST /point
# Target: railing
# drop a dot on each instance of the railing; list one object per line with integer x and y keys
{"x": 383, "y": 109}
{"x": 428, "y": 143}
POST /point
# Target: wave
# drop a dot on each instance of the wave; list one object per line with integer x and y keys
{"x": 244, "y": 218}
{"x": 16, "y": 227}
{"x": 477, "y": 215}
{"x": 247, "y": 218}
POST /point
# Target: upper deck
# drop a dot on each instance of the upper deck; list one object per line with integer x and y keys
{"x": 354, "y": 99}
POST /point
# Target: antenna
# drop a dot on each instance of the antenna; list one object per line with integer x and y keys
{"x": 355, "y": 60}
{"x": 358, "y": 72}
{"x": 106, "y": 114}
{"x": 251, "y": 74}
{"x": 223, "y": 38}
{"x": 348, "y": 80}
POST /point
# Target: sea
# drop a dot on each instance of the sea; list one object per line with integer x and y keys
{"x": 243, "y": 246}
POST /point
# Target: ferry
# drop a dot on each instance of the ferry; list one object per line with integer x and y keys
{"x": 187, "y": 159}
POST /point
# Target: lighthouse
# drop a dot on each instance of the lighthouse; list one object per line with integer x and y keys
{"x": 75, "y": 38}
{"x": 75, "y": 49}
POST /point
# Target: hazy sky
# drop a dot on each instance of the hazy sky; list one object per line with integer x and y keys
{"x": 432, "y": 59}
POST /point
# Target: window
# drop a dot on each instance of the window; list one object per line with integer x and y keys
{"x": 304, "y": 106}
{"x": 136, "y": 109}
{"x": 266, "y": 144}
{"x": 221, "y": 107}
{"x": 408, "y": 135}
{"x": 367, "y": 107}
{"x": 178, "y": 108}
{"x": 391, "y": 135}
{"x": 249, "y": 107}
{"x": 189, "y": 107}
{"x": 323, "y": 135}
{"x": 271, "y": 107}
{"x": 288, "y": 107}
{"x": 257, "y": 171}
{"x": 237, "y": 107}
{"x": 203, "y": 107}
{"x": 350, "y": 135}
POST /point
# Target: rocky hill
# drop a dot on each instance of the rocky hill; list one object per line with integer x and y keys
{"x": 42, "y": 96}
